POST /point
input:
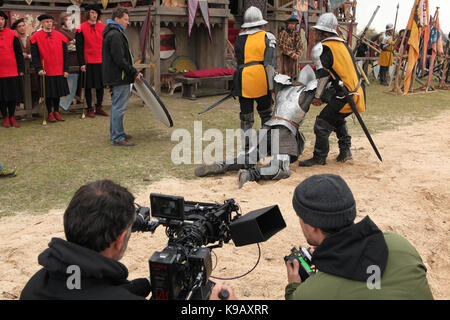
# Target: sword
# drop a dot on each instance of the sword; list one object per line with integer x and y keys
{"x": 217, "y": 103}
{"x": 352, "y": 103}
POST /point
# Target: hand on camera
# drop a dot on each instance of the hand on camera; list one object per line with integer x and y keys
{"x": 292, "y": 271}
{"x": 217, "y": 294}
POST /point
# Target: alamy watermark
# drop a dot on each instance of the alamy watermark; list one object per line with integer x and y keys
{"x": 74, "y": 278}
{"x": 191, "y": 148}
{"x": 374, "y": 280}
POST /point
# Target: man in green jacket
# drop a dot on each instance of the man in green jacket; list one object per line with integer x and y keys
{"x": 353, "y": 260}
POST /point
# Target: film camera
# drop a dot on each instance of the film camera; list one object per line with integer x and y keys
{"x": 182, "y": 269}
{"x": 304, "y": 259}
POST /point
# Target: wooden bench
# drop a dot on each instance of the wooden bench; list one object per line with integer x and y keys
{"x": 190, "y": 86}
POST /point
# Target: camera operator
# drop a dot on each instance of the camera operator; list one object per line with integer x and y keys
{"x": 353, "y": 260}
{"x": 97, "y": 225}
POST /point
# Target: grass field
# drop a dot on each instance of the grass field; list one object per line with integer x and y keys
{"x": 54, "y": 161}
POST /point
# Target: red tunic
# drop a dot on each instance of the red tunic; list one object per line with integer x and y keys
{"x": 8, "y": 63}
{"x": 50, "y": 51}
{"x": 93, "y": 40}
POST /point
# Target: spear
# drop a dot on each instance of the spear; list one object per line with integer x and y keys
{"x": 393, "y": 49}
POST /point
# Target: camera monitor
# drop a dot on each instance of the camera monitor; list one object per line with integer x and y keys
{"x": 169, "y": 207}
{"x": 257, "y": 226}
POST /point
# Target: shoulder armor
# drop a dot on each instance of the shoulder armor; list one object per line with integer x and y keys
{"x": 272, "y": 39}
{"x": 316, "y": 52}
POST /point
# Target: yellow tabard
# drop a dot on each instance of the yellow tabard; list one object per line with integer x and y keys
{"x": 386, "y": 58}
{"x": 254, "y": 81}
{"x": 345, "y": 69}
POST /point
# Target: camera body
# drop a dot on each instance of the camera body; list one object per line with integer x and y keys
{"x": 304, "y": 259}
{"x": 181, "y": 270}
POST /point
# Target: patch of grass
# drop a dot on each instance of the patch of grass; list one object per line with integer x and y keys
{"x": 54, "y": 161}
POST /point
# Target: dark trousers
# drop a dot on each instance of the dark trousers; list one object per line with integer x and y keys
{"x": 328, "y": 120}
{"x": 99, "y": 95}
{"x": 262, "y": 103}
{"x": 8, "y": 108}
{"x": 52, "y": 104}
{"x": 383, "y": 74}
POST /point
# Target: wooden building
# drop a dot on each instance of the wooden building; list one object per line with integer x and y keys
{"x": 169, "y": 22}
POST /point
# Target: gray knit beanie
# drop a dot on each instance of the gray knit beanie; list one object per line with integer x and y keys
{"x": 324, "y": 201}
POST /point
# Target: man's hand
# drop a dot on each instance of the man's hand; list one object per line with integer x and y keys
{"x": 221, "y": 287}
{"x": 83, "y": 68}
{"x": 41, "y": 73}
{"x": 316, "y": 102}
{"x": 21, "y": 74}
{"x": 139, "y": 77}
{"x": 66, "y": 74}
{"x": 292, "y": 271}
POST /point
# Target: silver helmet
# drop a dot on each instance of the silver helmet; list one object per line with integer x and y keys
{"x": 327, "y": 22}
{"x": 253, "y": 18}
{"x": 389, "y": 26}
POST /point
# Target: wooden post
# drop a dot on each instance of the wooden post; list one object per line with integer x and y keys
{"x": 156, "y": 50}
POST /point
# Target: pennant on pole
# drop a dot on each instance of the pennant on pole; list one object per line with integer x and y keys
{"x": 413, "y": 29}
{"x": 105, "y": 4}
{"x": 426, "y": 35}
{"x": 143, "y": 36}
{"x": 193, "y": 5}
{"x": 435, "y": 37}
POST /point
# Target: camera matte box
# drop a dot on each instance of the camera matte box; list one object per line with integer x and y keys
{"x": 257, "y": 226}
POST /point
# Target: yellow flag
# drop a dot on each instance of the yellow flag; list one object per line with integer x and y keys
{"x": 414, "y": 29}
{"x": 105, "y": 4}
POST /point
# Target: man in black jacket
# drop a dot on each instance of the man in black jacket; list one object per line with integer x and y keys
{"x": 97, "y": 225}
{"x": 118, "y": 72}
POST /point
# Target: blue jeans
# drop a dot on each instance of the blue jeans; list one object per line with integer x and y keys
{"x": 120, "y": 97}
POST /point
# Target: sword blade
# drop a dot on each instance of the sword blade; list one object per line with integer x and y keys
{"x": 363, "y": 126}
{"x": 216, "y": 104}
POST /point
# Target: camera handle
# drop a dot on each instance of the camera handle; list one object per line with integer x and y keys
{"x": 197, "y": 284}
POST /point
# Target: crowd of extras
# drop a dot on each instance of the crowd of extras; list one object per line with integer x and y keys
{"x": 53, "y": 49}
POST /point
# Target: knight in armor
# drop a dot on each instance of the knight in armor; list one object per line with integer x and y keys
{"x": 292, "y": 104}
{"x": 334, "y": 61}
{"x": 89, "y": 40}
{"x": 386, "y": 58}
{"x": 253, "y": 79}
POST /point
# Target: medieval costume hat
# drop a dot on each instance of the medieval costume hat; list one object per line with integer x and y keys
{"x": 16, "y": 23}
{"x": 94, "y": 7}
{"x": 45, "y": 16}
{"x": 292, "y": 19}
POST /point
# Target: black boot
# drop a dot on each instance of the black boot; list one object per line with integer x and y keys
{"x": 322, "y": 130}
{"x": 344, "y": 143}
{"x": 246, "y": 175}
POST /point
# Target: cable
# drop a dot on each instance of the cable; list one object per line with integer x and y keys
{"x": 241, "y": 276}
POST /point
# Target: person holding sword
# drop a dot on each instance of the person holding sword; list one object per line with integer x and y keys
{"x": 334, "y": 61}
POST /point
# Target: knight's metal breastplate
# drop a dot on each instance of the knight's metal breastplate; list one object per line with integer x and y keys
{"x": 287, "y": 111}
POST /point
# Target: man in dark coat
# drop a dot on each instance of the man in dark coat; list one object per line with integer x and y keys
{"x": 118, "y": 72}
{"x": 97, "y": 226}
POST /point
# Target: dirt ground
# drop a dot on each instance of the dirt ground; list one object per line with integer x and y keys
{"x": 408, "y": 193}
